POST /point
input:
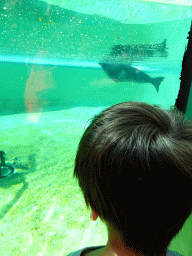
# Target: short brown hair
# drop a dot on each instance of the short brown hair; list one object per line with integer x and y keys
{"x": 134, "y": 167}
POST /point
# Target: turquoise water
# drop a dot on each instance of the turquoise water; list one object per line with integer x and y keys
{"x": 51, "y": 85}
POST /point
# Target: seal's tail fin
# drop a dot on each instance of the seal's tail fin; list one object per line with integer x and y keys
{"x": 157, "y": 81}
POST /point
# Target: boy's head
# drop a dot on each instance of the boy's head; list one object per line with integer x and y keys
{"x": 134, "y": 166}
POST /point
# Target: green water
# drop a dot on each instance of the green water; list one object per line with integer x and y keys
{"x": 44, "y": 110}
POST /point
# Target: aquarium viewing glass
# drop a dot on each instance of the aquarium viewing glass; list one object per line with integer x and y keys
{"x": 61, "y": 62}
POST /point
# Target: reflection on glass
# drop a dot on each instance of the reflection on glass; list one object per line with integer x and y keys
{"x": 40, "y": 79}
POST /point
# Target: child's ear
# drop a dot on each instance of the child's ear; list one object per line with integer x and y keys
{"x": 91, "y": 216}
{"x": 94, "y": 215}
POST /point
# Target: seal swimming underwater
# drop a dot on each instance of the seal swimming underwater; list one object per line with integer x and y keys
{"x": 125, "y": 73}
{"x": 117, "y": 64}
